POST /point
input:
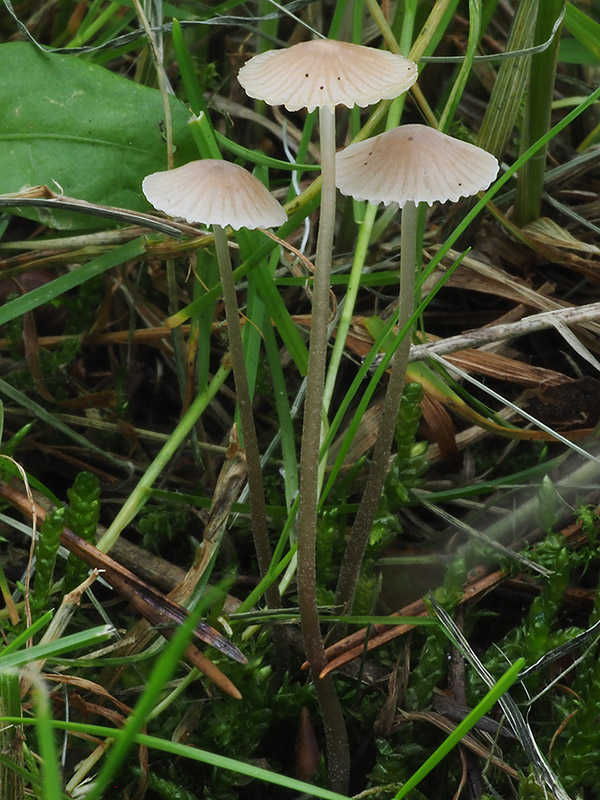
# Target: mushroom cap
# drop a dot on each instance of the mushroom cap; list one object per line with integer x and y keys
{"x": 324, "y": 72}
{"x": 413, "y": 163}
{"x": 214, "y": 192}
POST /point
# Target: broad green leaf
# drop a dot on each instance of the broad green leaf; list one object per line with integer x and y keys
{"x": 92, "y": 132}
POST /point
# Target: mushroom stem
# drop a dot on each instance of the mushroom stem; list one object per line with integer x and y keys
{"x": 335, "y": 729}
{"x": 258, "y": 512}
{"x": 357, "y": 541}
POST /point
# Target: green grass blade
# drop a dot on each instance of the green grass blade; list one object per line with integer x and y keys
{"x": 162, "y": 672}
{"x": 530, "y": 183}
{"x": 50, "y": 291}
{"x": 472, "y": 718}
{"x": 36, "y": 410}
{"x": 465, "y": 69}
{"x": 284, "y": 416}
{"x": 207, "y": 275}
{"x": 140, "y": 495}
{"x": 283, "y": 322}
{"x": 433, "y": 29}
{"x": 256, "y": 157}
{"x": 20, "y": 640}
{"x": 51, "y": 779}
{"x": 255, "y": 307}
{"x": 505, "y": 101}
{"x": 280, "y": 314}
{"x": 186, "y": 71}
{"x": 583, "y": 28}
{"x": 204, "y": 136}
{"x": 55, "y": 648}
{"x": 193, "y": 754}
{"x": 11, "y": 739}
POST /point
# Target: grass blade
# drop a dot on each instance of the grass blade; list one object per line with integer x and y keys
{"x": 484, "y": 705}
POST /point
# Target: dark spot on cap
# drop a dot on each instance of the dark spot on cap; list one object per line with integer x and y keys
{"x": 410, "y": 138}
{"x": 321, "y": 87}
{"x": 339, "y": 78}
{"x": 459, "y": 183}
{"x": 306, "y": 74}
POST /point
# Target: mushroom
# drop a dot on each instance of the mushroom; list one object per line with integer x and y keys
{"x": 219, "y": 193}
{"x": 408, "y": 165}
{"x": 322, "y": 73}
{"x": 214, "y": 192}
{"x": 326, "y": 73}
{"x": 416, "y": 164}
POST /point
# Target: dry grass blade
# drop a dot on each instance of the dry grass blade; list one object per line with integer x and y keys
{"x": 480, "y": 583}
{"x": 230, "y": 483}
{"x": 154, "y": 606}
{"x": 231, "y": 480}
{"x": 469, "y": 741}
{"x": 59, "y": 623}
{"x": 44, "y": 197}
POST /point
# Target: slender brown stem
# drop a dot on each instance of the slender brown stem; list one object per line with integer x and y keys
{"x": 258, "y": 512}
{"x": 357, "y": 542}
{"x": 337, "y": 742}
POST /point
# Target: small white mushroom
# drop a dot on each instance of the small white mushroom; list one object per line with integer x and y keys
{"x": 408, "y": 165}
{"x": 220, "y": 193}
{"x": 324, "y": 72}
{"x": 214, "y": 192}
{"x": 413, "y": 163}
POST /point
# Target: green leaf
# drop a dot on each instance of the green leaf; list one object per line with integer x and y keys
{"x": 92, "y": 132}
{"x": 573, "y": 52}
{"x": 584, "y": 29}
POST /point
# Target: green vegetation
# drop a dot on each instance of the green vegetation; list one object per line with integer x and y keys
{"x": 263, "y": 443}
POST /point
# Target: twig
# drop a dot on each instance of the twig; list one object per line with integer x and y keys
{"x": 42, "y": 196}
{"x": 536, "y": 322}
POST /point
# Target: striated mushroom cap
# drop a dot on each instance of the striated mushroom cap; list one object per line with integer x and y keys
{"x": 214, "y": 192}
{"x": 324, "y": 72}
{"x": 413, "y": 163}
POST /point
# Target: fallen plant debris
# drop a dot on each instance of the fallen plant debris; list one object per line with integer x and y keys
{"x": 198, "y": 414}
